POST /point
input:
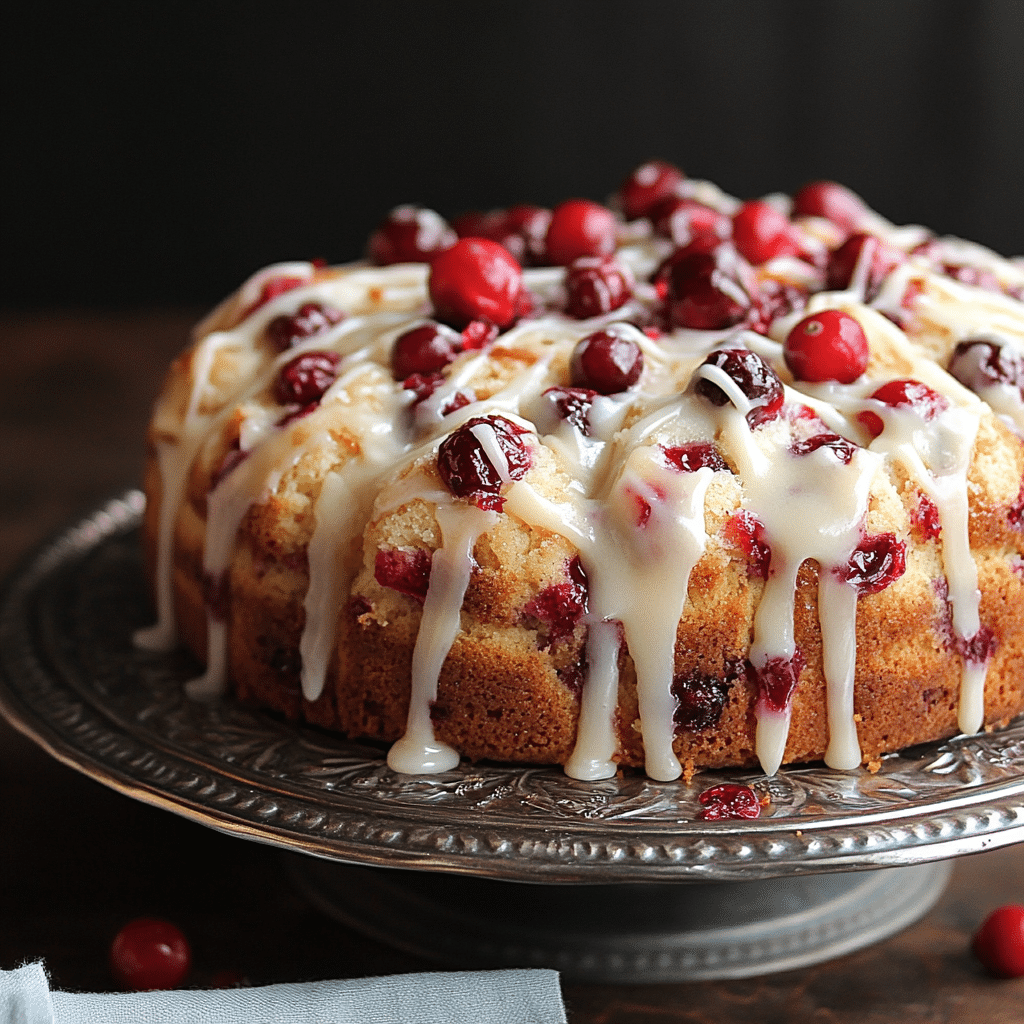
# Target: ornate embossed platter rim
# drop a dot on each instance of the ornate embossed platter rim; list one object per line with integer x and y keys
{"x": 70, "y": 679}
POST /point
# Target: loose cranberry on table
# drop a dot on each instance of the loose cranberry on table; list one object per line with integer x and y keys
{"x": 646, "y": 186}
{"x": 305, "y": 379}
{"x": 409, "y": 234}
{"x": 760, "y": 233}
{"x": 860, "y": 249}
{"x": 729, "y": 802}
{"x": 595, "y": 285}
{"x": 999, "y": 942}
{"x": 476, "y": 279}
{"x": 753, "y": 376}
{"x": 579, "y": 228}
{"x": 466, "y": 468}
{"x": 148, "y": 954}
{"x": 311, "y": 318}
{"x": 904, "y": 393}
{"x": 831, "y": 200}
{"x": 607, "y": 361}
{"x": 703, "y": 295}
{"x": 424, "y": 350}
{"x": 830, "y": 345}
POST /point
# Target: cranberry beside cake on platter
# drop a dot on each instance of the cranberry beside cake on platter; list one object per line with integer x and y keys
{"x": 693, "y": 482}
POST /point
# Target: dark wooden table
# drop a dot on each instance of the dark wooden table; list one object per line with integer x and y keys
{"x": 77, "y": 860}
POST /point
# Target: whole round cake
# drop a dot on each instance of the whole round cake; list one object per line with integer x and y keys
{"x": 707, "y": 483}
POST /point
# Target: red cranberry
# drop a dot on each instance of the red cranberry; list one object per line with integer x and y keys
{"x": 272, "y": 288}
{"x": 409, "y": 234}
{"x": 978, "y": 364}
{"x": 562, "y": 605}
{"x": 700, "y": 701}
{"x": 761, "y": 233}
{"x": 520, "y": 229}
{"x": 311, "y": 318}
{"x": 746, "y": 531}
{"x": 729, "y": 802}
{"x": 876, "y": 562}
{"x": 424, "y": 385}
{"x": 910, "y": 394}
{"x": 476, "y": 279}
{"x": 882, "y": 259}
{"x": 830, "y": 345}
{"x": 776, "y": 681}
{"x": 424, "y": 350}
{"x": 478, "y": 334}
{"x": 702, "y": 296}
{"x": 999, "y": 942}
{"x": 595, "y": 285}
{"x": 924, "y": 519}
{"x": 466, "y": 468}
{"x": 683, "y": 220}
{"x": 646, "y": 186}
{"x": 305, "y": 379}
{"x": 754, "y": 377}
{"x": 408, "y": 572}
{"x": 839, "y": 446}
{"x": 607, "y": 361}
{"x": 979, "y": 648}
{"x": 149, "y": 954}
{"x": 579, "y": 228}
{"x": 573, "y": 405}
{"x": 772, "y": 300}
{"x": 829, "y": 199}
{"x": 688, "y": 458}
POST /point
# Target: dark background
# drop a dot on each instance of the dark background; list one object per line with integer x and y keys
{"x": 157, "y": 153}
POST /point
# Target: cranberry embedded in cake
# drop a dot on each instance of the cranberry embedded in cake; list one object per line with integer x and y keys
{"x": 595, "y": 285}
{"x": 904, "y": 394}
{"x": 830, "y": 345}
{"x": 877, "y": 563}
{"x": 757, "y": 382}
{"x": 607, "y": 361}
{"x": 409, "y": 234}
{"x": 578, "y": 228}
{"x": 646, "y": 186}
{"x": 476, "y": 279}
{"x": 702, "y": 294}
{"x": 305, "y": 378}
{"x": 761, "y": 233}
{"x": 865, "y": 255}
{"x": 479, "y": 458}
{"x": 424, "y": 350}
{"x": 311, "y": 318}
{"x": 831, "y": 200}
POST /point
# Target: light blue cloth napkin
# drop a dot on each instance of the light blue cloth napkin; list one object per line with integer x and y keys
{"x": 470, "y": 997}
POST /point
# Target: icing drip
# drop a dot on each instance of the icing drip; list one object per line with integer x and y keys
{"x": 938, "y": 459}
{"x": 418, "y": 752}
{"x": 812, "y": 506}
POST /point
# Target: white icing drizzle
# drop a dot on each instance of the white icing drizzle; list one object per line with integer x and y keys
{"x": 418, "y": 752}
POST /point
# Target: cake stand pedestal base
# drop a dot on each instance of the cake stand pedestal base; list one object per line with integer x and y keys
{"x": 623, "y": 933}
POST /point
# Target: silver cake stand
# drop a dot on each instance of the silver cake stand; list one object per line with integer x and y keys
{"x": 492, "y": 865}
